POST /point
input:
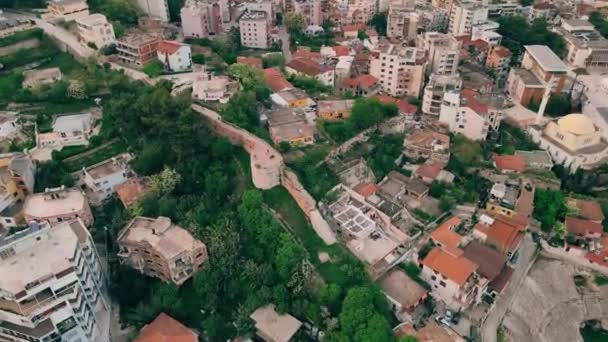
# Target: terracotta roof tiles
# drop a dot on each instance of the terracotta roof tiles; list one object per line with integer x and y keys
{"x": 457, "y": 268}
{"x": 166, "y": 329}
{"x": 510, "y": 162}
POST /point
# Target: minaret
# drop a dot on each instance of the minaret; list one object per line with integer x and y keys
{"x": 543, "y": 102}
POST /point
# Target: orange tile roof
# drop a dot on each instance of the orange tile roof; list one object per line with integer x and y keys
{"x": 341, "y": 50}
{"x": 404, "y": 107}
{"x": 510, "y": 162}
{"x": 361, "y": 81}
{"x": 306, "y": 66}
{"x": 471, "y": 101}
{"x": 430, "y": 169}
{"x": 366, "y": 189}
{"x": 505, "y": 235}
{"x": 169, "y": 47}
{"x": 456, "y": 268}
{"x": 166, "y": 329}
{"x": 305, "y": 53}
{"x": 445, "y": 234}
{"x": 132, "y": 190}
{"x": 501, "y": 51}
{"x": 275, "y": 80}
{"x": 582, "y": 227}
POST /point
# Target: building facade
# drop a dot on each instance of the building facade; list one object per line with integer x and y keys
{"x": 402, "y": 20}
{"x": 201, "y": 19}
{"x": 137, "y": 49}
{"x": 57, "y": 205}
{"x": 175, "y": 56}
{"x": 155, "y": 8}
{"x": 53, "y": 286}
{"x": 255, "y": 30}
{"x": 400, "y": 70}
{"x": 434, "y": 90}
{"x": 464, "y": 15}
{"x": 443, "y": 52}
{"x": 95, "y": 29}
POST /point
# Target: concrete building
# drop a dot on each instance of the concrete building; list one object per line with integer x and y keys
{"x": 499, "y": 8}
{"x": 334, "y": 109}
{"x": 402, "y": 20}
{"x": 201, "y": 19}
{"x": 432, "y": 19}
{"x": 290, "y": 125}
{"x": 16, "y": 182}
{"x": 434, "y": 90}
{"x": 573, "y": 141}
{"x": 499, "y": 60}
{"x": 404, "y": 293}
{"x": 175, "y": 56}
{"x": 360, "y": 11}
{"x": 67, "y": 9}
{"x": 155, "y": 8}
{"x": 255, "y": 30}
{"x": 137, "y": 49}
{"x": 266, "y": 6}
{"x": 464, "y": 15}
{"x": 308, "y": 68}
{"x": 427, "y": 145}
{"x": 586, "y": 46}
{"x": 362, "y": 85}
{"x": 57, "y": 205}
{"x": 311, "y": 9}
{"x": 9, "y": 125}
{"x": 472, "y": 114}
{"x": 274, "y": 327}
{"x": 74, "y": 129}
{"x": 487, "y": 32}
{"x": 53, "y": 286}
{"x": 161, "y": 249}
{"x": 99, "y": 180}
{"x": 209, "y": 87}
{"x": 36, "y": 78}
{"x": 95, "y": 29}
{"x": 443, "y": 51}
{"x": 10, "y": 26}
{"x": 542, "y": 10}
{"x": 540, "y": 67}
{"x": 400, "y": 70}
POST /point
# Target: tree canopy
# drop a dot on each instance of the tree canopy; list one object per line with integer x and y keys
{"x": 295, "y": 22}
{"x": 517, "y": 32}
{"x": 549, "y": 207}
{"x": 379, "y": 22}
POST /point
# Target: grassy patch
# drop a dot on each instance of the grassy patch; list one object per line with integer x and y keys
{"x": 97, "y": 157}
{"x": 343, "y": 269}
{"x": 35, "y": 33}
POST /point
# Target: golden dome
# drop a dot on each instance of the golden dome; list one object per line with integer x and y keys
{"x": 577, "y": 124}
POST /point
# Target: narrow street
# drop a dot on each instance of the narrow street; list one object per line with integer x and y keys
{"x": 285, "y": 43}
{"x": 527, "y": 256}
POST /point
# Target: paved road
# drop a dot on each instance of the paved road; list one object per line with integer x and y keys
{"x": 285, "y": 43}
{"x": 527, "y": 256}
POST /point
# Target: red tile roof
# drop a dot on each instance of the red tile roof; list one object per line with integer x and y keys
{"x": 253, "y": 61}
{"x": 404, "y": 107}
{"x": 470, "y": 100}
{"x": 169, "y": 47}
{"x": 447, "y": 237}
{"x": 502, "y": 51}
{"x": 591, "y": 210}
{"x": 361, "y": 81}
{"x": 275, "y": 80}
{"x": 582, "y": 227}
{"x": 305, "y": 53}
{"x": 305, "y": 66}
{"x": 166, "y": 329}
{"x": 132, "y": 190}
{"x": 341, "y": 50}
{"x": 504, "y": 235}
{"x": 510, "y": 162}
{"x": 430, "y": 169}
{"x": 366, "y": 189}
{"x": 456, "y": 268}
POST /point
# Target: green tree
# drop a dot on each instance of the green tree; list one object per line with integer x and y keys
{"x": 517, "y": 32}
{"x": 549, "y": 207}
{"x": 379, "y": 22}
{"x": 558, "y": 105}
{"x": 408, "y": 338}
{"x": 361, "y": 317}
{"x": 361, "y": 34}
{"x": 241, "y": 110}
{"x": 125, "y": 12}
{"x": 166, "y": 181}
{"x": 367, "y": 112}
{"x": 248, "y": 75}
{"x": 154, "y": 68}
{"x": 295, "y": 22}
{"x": 288, "y": 256}
{"x": 174, "y": 9}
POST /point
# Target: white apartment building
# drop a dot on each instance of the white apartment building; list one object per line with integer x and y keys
{"x": 402, "y": 20}
{"x": 175, "y": 56}
{"x": 487, "y": 33}
{"x": 96, "y": 29}
{"x": 255, "y": 30}
{"x": 399, "y": 69}
{"x": 443, "y": 52}
{"x": 100, "y": 179}
{"x": 499, "y": 8}
{"x": 311, "y": 9}
{"x": 201, "y": 19}
{"x": 435, "y": 89}
{"x": 432, "y": 19}
{"x": 74, "y": 129}
{"x": 471, "y": 114}
{"x": 155, "y": 8}
{"x": 52, "y": 286}
{"x": 262, "y": 6}
{"x": 464, "y": 15}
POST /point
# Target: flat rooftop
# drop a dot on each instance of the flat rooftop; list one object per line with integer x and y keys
{"x": 279, "y": 327}
{"x": 65, "y": 202}
{"x": 546, "y": 58}
{"x": 528, "y": 77}
{"x": 117, "y": 164}
{"x": 254, "y": 15}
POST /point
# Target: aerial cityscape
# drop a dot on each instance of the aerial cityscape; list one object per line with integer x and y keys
{"x": 303, "y": 170}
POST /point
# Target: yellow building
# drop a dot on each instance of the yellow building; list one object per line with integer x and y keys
{"x": 334, "y": 110}
{"x": 295, "y": 98}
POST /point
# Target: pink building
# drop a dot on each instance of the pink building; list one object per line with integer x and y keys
{"x": 201, "y": 19}
{"x": 57, "y": 205}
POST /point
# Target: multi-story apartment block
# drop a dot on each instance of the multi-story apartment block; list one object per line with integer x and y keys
{"x": 400, "y": 70}
{"x": 443, "y": 51}
{"x": 161, "y": 249}
{"x": 540, "y": 68}
{"x": 545, "y": 10}
{"x": 175, "y": 56}
{"x": 499, "y": 8}
{"x": 16, "y": 181}
{"x": 311, "y": 9}
{"x": 471, "y": 114}
{"x": 201, "y": 19}
{"x": 137, "y": 49}
{"x": 57, "y": 205}
{"x": 487, "y": 33}
{"x": 52, "y": 286}
{"x": 586, "y": 47}
{"x": 155, "y": 8}
{"x": 431, "y": 19}
{"x": 100, "y": 179}
{"x": 255, "y": 30}
{"x": 261, "y": 6}
{"x": 9, "y": 27}
{"x": 464, "y": 15}
{"x": 434, "y": 90}
{"x": 499, "y": 59}
{"x": 95, "y": 29}
{"x": 67, "y": 9}
{"x": 442, "y": 4}
{"x": 402, "y": 20}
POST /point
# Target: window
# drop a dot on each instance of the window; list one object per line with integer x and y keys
{"x": 442, "y": 283}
